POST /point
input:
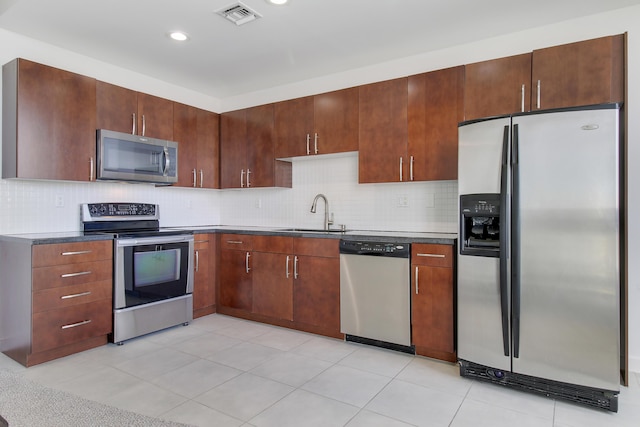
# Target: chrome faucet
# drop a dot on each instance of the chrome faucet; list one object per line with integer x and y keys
{"x": 327, "y": 221}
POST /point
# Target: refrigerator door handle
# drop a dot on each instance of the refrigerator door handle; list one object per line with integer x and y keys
{"x": 515, "y": 243}
{"x": 504, "y": 242}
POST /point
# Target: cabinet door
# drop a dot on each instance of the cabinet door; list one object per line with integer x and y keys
{"x": 316, "y": 292}
{"x": 116, "y": 108}
{"x": 260, "y": 148}
{"x": 208, "y": 158}
{"x": 575, "y": 74}
{"x": 185, "y": 132}
{"x": 336, "y": 122}
{"x": 293, "y": 125}
{"x": 383, "y": 131}
{"x": 49, "y": 123}
{"x": 497, "y": 87}
{"x": 233, "y": 149}
{"x": 155, "y": 117}
{"x": 203, "y": 282}
{"x": 236, "y": 280}
{"x": 432, "y": 296}
{"x": 273, "y": 285}
{"x": 436, "y": 102}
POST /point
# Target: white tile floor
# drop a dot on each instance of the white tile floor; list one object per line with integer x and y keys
{"x": 222, "y": 371}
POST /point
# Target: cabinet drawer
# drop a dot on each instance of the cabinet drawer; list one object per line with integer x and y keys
{"x": 241, "y": 242}
{"x": 69, "y": 253}
{"x": 56, "y": 328}
{"x": 68, "y": 296}
{"x": 327, "y": 248}
{"x": 71, "y": 274}
{"x": 273, "y": 244}
{"x": 200, "y": 241}
{"x": 432, "y": 255}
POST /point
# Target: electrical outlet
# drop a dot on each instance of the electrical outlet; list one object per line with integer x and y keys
{"x": 59, "y": 201}
{"x": 403, "y": 201}
{"x": 259, "y": 204}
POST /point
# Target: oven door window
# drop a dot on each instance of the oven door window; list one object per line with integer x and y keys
{"x": 155, "y": 272}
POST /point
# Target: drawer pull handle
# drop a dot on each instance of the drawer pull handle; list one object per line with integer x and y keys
{"x": 433, "y": 255}
{"x": 81, "y": 273}
{"x": 235, "y": 242}
{"x": 75, "y": 253}
{"x": 82, "y": 294}
{"x": 75, "y": 325}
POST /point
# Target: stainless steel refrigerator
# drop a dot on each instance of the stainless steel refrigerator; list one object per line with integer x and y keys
{"x": 539, "y": 255}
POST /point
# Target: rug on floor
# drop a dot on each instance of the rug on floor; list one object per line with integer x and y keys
{"x": 24, "y": 403}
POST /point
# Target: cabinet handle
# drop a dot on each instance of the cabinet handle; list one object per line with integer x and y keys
{"x": 522, "y": 99}
{"x": 295, "y": 267}
{"x": 416, "y": 280}
{"x": 75, "y": 253}
{"x": 432, "y": 255}
{"x": 81, "y": 273}
{"x": 144, "y": 125}
{"x": 315, "y": 142}
{"x": 82, "y": 294}
{"x": 133, "y": 127}
{"x": 74, "y": 325}
{"x": 235, "y": 242}
{"x": 539, "y": 94}
{"x": 411, "y": 169}
{"x": 242, "y": 178}
{"x": 287, "y": 267}
{"x": 201, "y": 178}
{"x": 246, "y": 262}
{"x": 248, "y": 177}
{"x": 194, "y": 178}
{"x": 197, "y": 261}
{"x": 400, "y": 169}
{"x": 308, "y": 140}
{"x": 91, "y": 166}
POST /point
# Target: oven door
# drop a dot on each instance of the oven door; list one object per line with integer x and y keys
{"x": 152, "y": 269}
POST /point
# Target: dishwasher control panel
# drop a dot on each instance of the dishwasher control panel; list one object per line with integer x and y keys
{"x": 390, "y": 249}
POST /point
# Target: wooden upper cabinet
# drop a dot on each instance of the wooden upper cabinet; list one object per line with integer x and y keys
{"x": 196, "y": 132}
{"x": 383, "y": 132}
{"x": 497, "y": 87}
{"x": 582, "y": 73}
{"x": 48, "y": 123}
{"x": 436, "y": 106}
{"x": 247, "y": 157}
{"x": 123, "y": 110}
{"x": 320, "y": 124}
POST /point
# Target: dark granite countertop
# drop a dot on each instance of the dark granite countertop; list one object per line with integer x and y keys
{"x": 366, "y": 235}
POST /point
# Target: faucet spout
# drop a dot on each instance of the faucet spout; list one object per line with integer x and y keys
{"x": 327, "y": 221}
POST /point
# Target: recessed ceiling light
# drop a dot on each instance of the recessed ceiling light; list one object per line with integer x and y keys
{"x": 179, "y": 36}
{"x": 278, "y": 2}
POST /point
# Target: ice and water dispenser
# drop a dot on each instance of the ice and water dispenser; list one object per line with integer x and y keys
{"x": 480, "y": 224}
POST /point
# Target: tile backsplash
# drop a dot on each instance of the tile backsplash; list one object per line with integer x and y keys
{"x": 46, "y": 206}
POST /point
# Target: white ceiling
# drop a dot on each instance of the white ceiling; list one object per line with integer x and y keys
{"x": 301, "y": 40}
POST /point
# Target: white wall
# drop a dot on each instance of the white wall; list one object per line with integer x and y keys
{"x": 26, "y": 206}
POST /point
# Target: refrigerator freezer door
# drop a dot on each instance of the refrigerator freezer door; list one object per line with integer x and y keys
{"x": 480, "y": 337}
{"x": 569, "y": 247}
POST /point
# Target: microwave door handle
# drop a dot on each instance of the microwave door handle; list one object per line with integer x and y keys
{"x": 167, "y": 161}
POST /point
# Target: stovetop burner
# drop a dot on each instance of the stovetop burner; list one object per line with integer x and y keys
{"x": 124, "y": 220}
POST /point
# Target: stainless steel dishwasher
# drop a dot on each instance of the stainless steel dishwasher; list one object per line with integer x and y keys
{"x": 375, "y": 300}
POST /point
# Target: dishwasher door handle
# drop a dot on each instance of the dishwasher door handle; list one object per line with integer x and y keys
{"x": 417, "y": 280}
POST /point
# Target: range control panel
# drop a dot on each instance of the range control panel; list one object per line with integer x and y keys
{"x": 96, "y": 211}
{"x": 392, "y": 249}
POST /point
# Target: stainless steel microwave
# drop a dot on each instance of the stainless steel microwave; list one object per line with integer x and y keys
{"x": 126, "y": 157}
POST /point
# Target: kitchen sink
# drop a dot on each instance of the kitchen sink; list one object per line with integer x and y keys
{"x": 313, "y": 230}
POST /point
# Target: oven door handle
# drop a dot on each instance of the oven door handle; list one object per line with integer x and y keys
{"x": 154, "y": 240}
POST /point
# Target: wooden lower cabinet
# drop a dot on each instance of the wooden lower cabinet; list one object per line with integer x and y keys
{"x": 433, "y": 301}
{"x": 285, "y": 281}
{"x": 55, "y": 299}
{"x": 204, "y": 274}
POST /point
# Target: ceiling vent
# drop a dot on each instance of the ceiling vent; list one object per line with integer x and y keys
{"x": 238, "y": 13}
